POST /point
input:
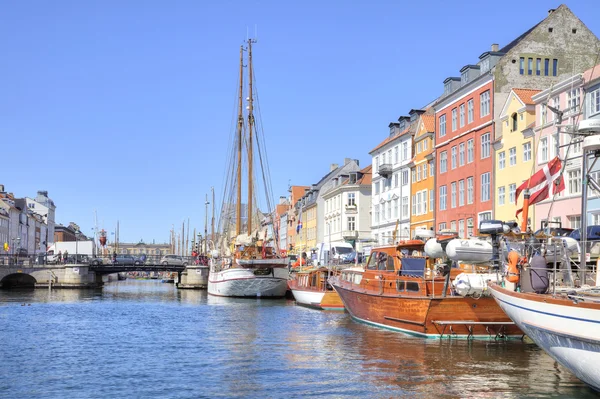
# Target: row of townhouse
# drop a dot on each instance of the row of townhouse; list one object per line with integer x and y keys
{"x": 458, "y": 160}
{"x": 27, "y": 225}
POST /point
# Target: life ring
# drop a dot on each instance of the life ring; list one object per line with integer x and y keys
{"x": 512, "y": 274}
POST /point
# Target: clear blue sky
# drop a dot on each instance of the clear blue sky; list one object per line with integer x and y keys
{"x": 125, "y": 107}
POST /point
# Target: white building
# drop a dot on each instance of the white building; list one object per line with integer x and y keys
{"x": 390, "y": 198}
{"x": 347, "y": 209}
{"x": 44, "y": 206}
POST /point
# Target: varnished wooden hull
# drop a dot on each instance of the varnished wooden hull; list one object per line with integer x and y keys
{"x": 422, "y": 316}
{"x": 323, "y": 300}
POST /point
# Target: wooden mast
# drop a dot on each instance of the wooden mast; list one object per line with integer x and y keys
{"x": 238, "y": 205}
{"x": 250, "y": 137}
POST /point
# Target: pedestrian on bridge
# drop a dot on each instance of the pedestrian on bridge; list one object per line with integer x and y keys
{"x": 66, "y": 256}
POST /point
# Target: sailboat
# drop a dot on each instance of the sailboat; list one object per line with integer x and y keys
{"x": 246, "y": 264}
{"x": 558, "y": 305}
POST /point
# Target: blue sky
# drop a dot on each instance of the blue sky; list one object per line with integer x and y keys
{"x": 124, "y": 108}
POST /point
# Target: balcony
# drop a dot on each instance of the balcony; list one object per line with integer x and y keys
{"x": 349, "y": 234}
{"x": 351, "y": 208}
{"x": 385, "y": 170}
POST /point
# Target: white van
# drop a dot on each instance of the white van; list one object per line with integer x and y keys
{"x": 336, "y": 253}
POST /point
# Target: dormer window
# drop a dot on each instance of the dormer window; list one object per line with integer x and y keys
{"x": 484, "y": 65}
{"x": 447, "y": 87}
{"x": 402, "y": 125}
{"x": 514, "y": 122}
{"x": 464, "y": 78}
{"x": 352, "y": 178}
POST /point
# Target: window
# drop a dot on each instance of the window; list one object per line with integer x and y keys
{"x": 442, "y": 198}
{"x": 442, "y": 125}
{"x": 515, "y": 122}
{"x": 575, "y": 222}
{"x": 454, "y": 119}
{"x": 351, "y": 199}
{"x": 443, "y": 161}
{"x": 546, "y": 66}
{"x": 485, "y": 65}
{"x": 453, "y": 195}
{"x": 414, "y": 174}
{"x": 424, "y": 199}
{"x": 461, "y": 154}
{"x": 484, "y": 106}
{"x": 442, "y": 226}
{"x": 512, "y": 156}
{"x": 395, "y": 208}
{"x": 526, "y": 152}
{"x": 501, "y": 195}
{"x": 419, "y": 147}
{"x": 376, "y": 187}
{"x": 522, "y": 65}
{"x": 469, "y": 227}
{"x": 418, "y": 169}
{"x": 396, "y": 179}
{"x": 376, "y": 213}
{"x": 544, "y": 149}
{"x": 461, "y": 228}
{"x": 389, "y": 210}
{"x": 483, "y": 216}
{"x": 404, "y": 207}
{"x": 485, "y": 146}
{"x": 538, "y": 66}
{"x": 425, "y": 171}
{"x": 425, "y": 144}
{"x": 405, "y": 151}
{"x": 574, "y": 177}
{"x": 432, "y": 201}
{"x": 529, "y": 66}
{"x": 543, "y": 114}
{"x": 461, "y": 192}
{"x": 501, "y": 160}
{"x": 469, "y": 190}
{"x": 405, "y": 177}
{"x": 470, "y": 151}
{"x": 485, "y": 187}
{"x": 453, "y": 225}
{"x": 470, "y": 111}
{"x": 453, "y": 157}
{"x": 595, "y": 101}
{"x": 512, "y": 188}
{"x": 431, "y": 168}
{"x": 554, "y": 67}
{"x": 414, "y": 204}
{"x": 351, "y": 223}
{"x": 462, "y": 115}
{"x": 573, "y": 100}
{"x": 396, "y": 154}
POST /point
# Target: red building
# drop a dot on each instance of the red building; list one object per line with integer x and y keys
{"x": 463, "y": 150}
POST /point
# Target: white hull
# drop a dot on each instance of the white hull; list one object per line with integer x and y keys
{"x": 308, "y": 298}
{"x": 570, "y": 334}
{"x": 242, "y": 282}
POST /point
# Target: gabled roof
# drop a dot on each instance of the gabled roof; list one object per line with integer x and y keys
{"x": 525, "y": 95}
{"x": 429, "y": 122}
{"x": 387, "y": 140}
{"x": 366, "y": 179}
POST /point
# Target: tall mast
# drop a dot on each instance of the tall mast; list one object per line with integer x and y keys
{"x": 250, "y": 138}
{"x": 238, "y": 206}
{"x": 212, "y": 222}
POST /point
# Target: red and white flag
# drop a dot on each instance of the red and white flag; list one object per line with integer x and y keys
{"x": 539, "y": 184}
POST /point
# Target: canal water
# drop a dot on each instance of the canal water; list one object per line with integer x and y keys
{"x": 146, "y": 339}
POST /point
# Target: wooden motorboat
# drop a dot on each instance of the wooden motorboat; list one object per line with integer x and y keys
{"x": 310, "y": 288}
{"x": 400, "y": 289}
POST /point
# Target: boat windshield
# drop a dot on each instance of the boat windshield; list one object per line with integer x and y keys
{"x": 343, "y": 250}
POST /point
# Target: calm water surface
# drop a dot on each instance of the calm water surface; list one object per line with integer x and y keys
{"x": 145, "y": 339}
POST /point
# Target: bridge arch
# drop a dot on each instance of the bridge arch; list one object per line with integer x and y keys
{"x": 18, "y": 280}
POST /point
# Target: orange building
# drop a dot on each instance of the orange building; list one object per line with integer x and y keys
{"x": 422, "y": 172}
{"x": 296, "y": 192}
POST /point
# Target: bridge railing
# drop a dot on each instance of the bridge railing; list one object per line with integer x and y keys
{"x": 45, "y": 259}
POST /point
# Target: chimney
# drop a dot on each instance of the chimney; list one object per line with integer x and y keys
{"x": 550, "y": 11}
{"x": 494, "y": 47}
{"x": 333, "y": 167}
{"x": 1, "y": 188}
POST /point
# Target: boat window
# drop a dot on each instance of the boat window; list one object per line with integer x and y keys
{"x": 399, "y": 285}
{"x": 381, "y": 261}
{"x": 373, "y": 261}
{"x": 412, "y": 286}
{"x": 357, "y": 278}
{"x": 390, "y": 263}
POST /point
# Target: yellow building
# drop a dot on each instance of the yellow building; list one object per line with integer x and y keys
{"x": 311, "y": 227}
{"x": 515, "y": 150}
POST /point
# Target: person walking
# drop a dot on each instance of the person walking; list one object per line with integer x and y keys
{"x": 59, "y": 257}
{"x": 66, "y": 256}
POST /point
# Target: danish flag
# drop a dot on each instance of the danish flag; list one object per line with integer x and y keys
{"x": 539, "y": 184}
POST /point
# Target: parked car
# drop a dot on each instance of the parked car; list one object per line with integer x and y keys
{"x": 593, "y": 239}
{"x": 175, "y": 260}
{"x": 127, "y": 260}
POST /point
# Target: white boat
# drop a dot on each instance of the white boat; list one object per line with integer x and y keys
{"x": 471, "y": 250}
{"x": 249, "y": 282}
{"x": 246, "y": 264}
{"x": 567, "y": 327}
